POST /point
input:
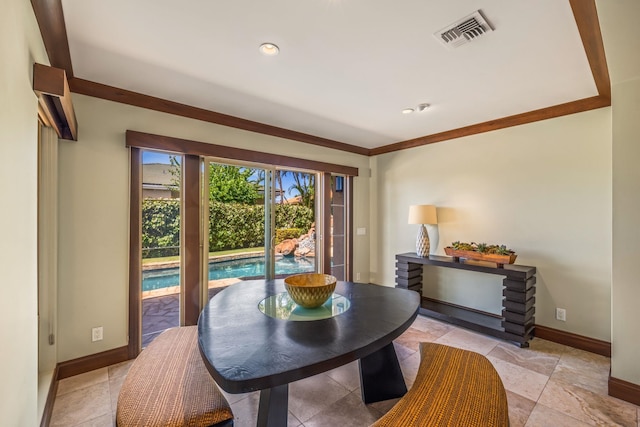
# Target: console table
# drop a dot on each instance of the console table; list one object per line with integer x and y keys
{"x": 518, "y": 304}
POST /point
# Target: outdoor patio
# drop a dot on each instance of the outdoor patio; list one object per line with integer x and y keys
{"x": 163, "y": 312}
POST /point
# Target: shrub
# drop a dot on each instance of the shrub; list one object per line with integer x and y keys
{"x": 288, "y": 233}
{"x": 231, "y": 225}
{"x": 160, "y": 227}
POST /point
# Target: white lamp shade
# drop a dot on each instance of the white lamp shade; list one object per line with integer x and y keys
{"x": 422, "y": 214}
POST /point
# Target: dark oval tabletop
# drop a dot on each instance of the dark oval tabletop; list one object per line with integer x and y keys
{"x": 246, "y": 350}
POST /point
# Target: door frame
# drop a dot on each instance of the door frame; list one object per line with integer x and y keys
{"x": 136, "y": 142}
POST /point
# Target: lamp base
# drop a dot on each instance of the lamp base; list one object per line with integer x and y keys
{"x": 423, "y": 246}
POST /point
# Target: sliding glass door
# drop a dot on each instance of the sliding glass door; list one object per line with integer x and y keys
{"x": 199, "y": 223}
{"x": 161, "y": 244}
{"x": 338, "y": 226}
{"x": 295, "y": 236}
{"x": 260, "y": 222}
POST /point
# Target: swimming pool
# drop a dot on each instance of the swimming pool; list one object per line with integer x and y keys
{"x": 247, "y": 267}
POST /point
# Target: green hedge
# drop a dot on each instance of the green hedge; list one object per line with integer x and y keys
{"x": 232, "y": 225}
{"x": 283, "y": 234}
{"x": 160, "y": 227}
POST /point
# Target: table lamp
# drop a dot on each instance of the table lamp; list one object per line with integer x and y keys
{"x": 422, "y": 214}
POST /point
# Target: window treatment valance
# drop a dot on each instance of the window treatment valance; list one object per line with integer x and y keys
{"x": 185, "y": 146}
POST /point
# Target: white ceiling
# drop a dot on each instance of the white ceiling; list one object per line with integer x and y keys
{"x": 346, "y": 68}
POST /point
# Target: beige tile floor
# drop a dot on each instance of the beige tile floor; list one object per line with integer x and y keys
{"x": 547, "y": 384}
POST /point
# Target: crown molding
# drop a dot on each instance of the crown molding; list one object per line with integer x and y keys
{"x": 52, "y": 27}
{"x": 110, "y": 93}
{"x": 573, "y": 107}
{"x": 50, "y": 19}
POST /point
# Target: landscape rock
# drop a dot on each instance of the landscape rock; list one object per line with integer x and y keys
{"x": 286, "y": 247}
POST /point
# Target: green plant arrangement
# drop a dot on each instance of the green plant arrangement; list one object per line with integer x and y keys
{"x": 499, "y": 254}
{"x": 482, "y": 248}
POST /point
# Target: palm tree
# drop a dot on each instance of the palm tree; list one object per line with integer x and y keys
{"x": 304, "y": 185}
{"x": 279, "y": 174}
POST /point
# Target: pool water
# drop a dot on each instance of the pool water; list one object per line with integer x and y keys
{"x": 247, "y": 267}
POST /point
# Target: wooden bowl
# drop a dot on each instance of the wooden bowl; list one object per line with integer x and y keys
{"x": 310, "y": 290}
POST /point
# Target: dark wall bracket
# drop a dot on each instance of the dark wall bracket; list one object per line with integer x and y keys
{"x": 55, "y": 108}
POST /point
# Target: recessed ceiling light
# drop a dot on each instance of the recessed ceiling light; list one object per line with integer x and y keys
{"x": 407, "y": 111}
{"x": 423, "y": 107}
{"x": 269, "y": 49}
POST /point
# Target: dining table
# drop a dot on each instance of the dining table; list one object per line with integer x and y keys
{"x": 252, "y": 336}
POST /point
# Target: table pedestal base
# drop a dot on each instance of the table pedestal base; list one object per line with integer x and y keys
{"x": 273, "y": 408}
{"x": 380, "y": 376}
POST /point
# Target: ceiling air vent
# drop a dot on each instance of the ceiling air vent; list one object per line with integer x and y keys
{"x": 464, "y": 30}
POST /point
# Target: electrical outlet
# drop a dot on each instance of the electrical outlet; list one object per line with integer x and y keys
{"x": 357, "y": 277}
{"x": 561, "y": 314}
{"x": 96, "y": 334}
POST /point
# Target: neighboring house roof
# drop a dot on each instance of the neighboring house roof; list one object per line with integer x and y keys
{"x": 157, "y": 175}
{"x": 296, "y": 200}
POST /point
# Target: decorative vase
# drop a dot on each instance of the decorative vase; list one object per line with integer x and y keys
{"x": 422, "y": 242}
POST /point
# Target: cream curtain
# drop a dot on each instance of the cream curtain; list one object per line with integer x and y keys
{"x": 47, "y": 247}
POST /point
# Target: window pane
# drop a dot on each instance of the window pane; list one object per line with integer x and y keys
{"x": 161, "y": 182}
{"x": 295, "y": 222}
{"x": 338, "y": 234}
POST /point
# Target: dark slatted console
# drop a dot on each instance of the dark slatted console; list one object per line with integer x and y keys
{"x": 518, "y": 303}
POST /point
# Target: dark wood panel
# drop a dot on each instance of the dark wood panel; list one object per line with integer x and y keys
{"x": 475, "y": 320}
{"x": 427, "y": 300}
{"x": 511, "y": 271}
{"x": 586, "y": 16}
{"x": 51, "y": 397}
{"x": 519, "y": 317}
{"x": 417, "y": 288}
{"x": 518, "y": 328}
{"x": 51, "y": 86}
{"x": 408, "y": 274}
{"x": 574, "y": 340}
{"x": 403, "y": 282}
{"x": 470, "y": 319}
{"x": 97, "y": 90}
{"x": 624, "y": 390}
{"x": 519, "y": 285}
{"x": 53, "y": 29}
{"x": 185, "y": 146}
{"x": 349, "y": 228}
{"x": 135, "y": 252}
{"x": 505, "y": 122}
{"x": 91, "y": 362}
{"x": 518, "y": 307}
{"x": 191, "y": 270}
{"x": 408, "y": 267}
{"x": 518, "y": 296}
{"x": 326, "y": 222}
{"x": 49, "y": 80}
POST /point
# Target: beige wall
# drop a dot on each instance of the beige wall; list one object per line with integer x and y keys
{"x": 622, "y": 44}
{"x": 93, "y": 224}
{"x": 20, "y": 46}
{"x": 626, "y": 231}
{"x": 543, "y": 189}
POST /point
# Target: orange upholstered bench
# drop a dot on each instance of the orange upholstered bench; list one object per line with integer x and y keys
{"x": 168, "y": 385}
{"x": 453, "y": 387}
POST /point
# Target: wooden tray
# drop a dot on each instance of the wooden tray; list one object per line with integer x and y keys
{"x": 500, "y": 260}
